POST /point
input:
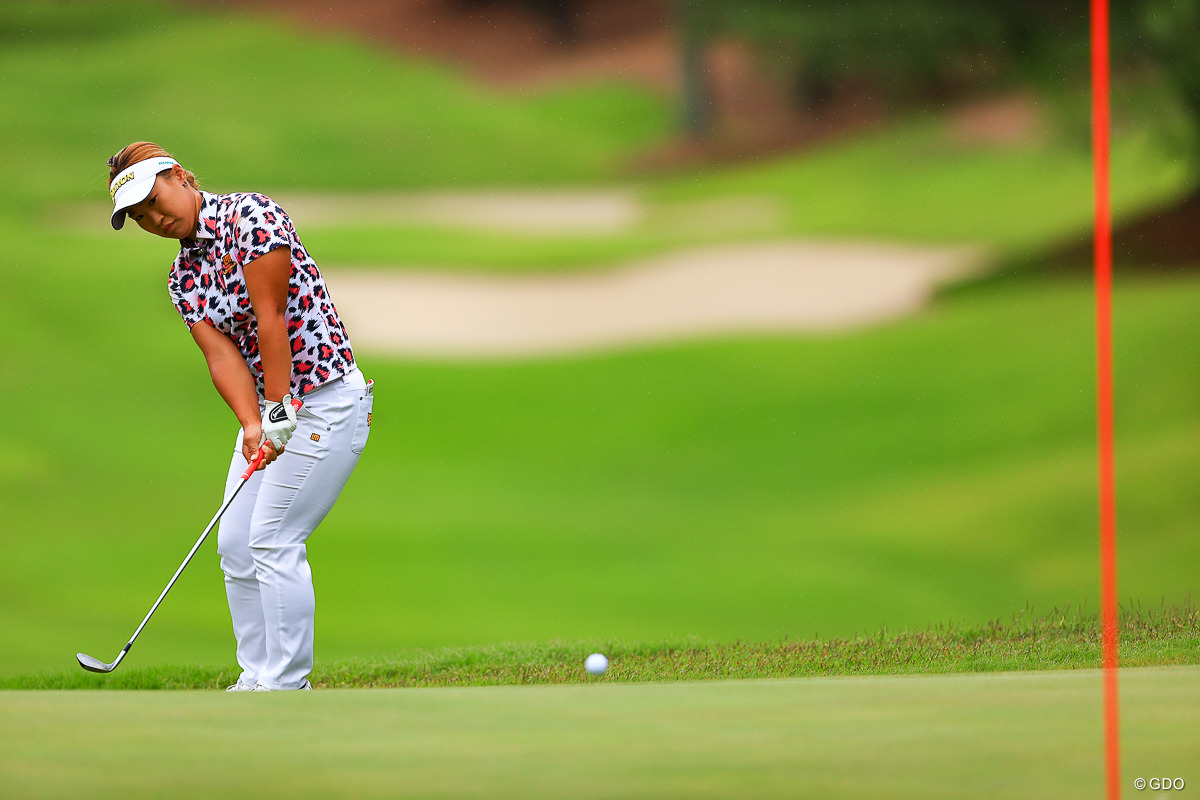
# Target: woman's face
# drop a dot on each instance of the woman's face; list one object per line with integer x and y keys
{"x": 171, "y": 210}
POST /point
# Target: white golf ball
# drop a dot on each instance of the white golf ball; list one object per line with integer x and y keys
{"x": 596, "y": 664}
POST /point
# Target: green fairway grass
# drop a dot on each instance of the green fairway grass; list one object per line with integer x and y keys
{"x": 874, "y": 186}
{"x": 936, "y": 469}
{"x": 254, "y": 102}
{"x": 334, "y": 114}
{"x": 1015, "y": 735}
{"x": 933, "y": 470}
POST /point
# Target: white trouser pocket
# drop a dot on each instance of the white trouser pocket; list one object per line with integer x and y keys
{"x": 362, "y": 425}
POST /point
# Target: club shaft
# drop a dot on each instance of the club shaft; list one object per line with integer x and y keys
{"x": 94, "y": 665}
{"x": 245, "y": 476}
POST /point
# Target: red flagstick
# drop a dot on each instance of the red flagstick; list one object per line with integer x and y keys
{"x": 1104, "y": 394}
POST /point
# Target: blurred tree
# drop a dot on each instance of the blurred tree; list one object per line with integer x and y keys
{"x": 562, "y": 16}
{"x": 901, "y": 46}
{"x": 911, "y": 48}
{"x": 693, "y": 25}
{"x": 1171, "y": 28}
{"x": 901, "y": 51}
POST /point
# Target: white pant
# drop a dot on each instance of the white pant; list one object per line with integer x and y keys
{"x": 261, "y": 536}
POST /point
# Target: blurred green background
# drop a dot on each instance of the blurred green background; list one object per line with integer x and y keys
{"x": 729, "y": 487}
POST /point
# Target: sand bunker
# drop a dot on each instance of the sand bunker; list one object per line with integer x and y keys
{"x": 538, "y": 212}
{"x": 770, "y": 287}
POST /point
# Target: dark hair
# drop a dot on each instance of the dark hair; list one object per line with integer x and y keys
{"x": 140, "y": 151}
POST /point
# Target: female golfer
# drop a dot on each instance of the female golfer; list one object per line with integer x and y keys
{"x": 261, "y": 314}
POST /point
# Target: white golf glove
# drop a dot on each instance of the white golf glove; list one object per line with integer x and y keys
{"x": 279, "y": 422}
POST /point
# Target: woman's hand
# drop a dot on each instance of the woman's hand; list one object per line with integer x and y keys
{"x": 251, "y": 436}
{"x": 279, "y": 421}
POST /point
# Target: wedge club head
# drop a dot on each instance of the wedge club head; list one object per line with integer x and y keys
{"x": 96, "y": 665}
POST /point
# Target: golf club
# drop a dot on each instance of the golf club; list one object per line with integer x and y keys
{"x": 92, "y": 664}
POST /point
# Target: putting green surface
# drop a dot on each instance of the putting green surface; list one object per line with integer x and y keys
{"x": 1008, "y": 735}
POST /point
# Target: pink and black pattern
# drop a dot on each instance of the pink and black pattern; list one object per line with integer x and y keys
{"x": 207, "y": 284}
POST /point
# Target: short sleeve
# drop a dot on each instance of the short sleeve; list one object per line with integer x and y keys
{"x": 184, "y": 288}
{"x": 260, "y": 227}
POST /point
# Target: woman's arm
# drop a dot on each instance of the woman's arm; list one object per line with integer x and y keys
{"x": 235, "y": 384}
{"x": 267, "y": 279}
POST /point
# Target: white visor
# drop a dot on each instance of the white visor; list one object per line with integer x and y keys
{"x": 134, "y": 184}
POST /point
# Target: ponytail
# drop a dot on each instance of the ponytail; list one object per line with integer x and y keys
{"x": 140, "y": 151}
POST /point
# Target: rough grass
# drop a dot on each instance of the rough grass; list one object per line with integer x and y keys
{"x": 1068, "y": 639}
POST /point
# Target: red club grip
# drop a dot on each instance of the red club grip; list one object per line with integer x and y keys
{"x": 262, "y": 451}
{"x": 258, "y": 457}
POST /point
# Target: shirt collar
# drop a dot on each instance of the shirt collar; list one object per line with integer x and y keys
{"x": 206, "y": 229}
